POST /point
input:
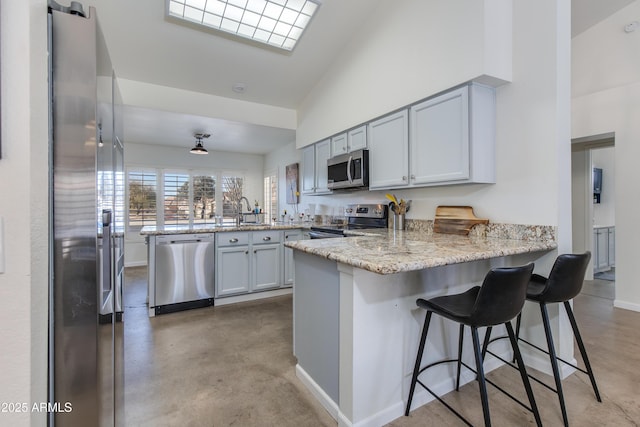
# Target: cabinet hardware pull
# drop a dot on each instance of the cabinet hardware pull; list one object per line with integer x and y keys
{"x": 404, "y": 178}
{"x": 266, "y": 239}
{"x": 413, "y": 177}
{"x": 255, "y": 251}
{"x": 246, "y": 253}
{"x": 233, "y": 240}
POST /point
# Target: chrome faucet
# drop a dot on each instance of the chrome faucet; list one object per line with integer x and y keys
{"x": 239, "y": 217}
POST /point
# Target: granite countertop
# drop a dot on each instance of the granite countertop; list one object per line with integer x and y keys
{"x": 185, "y": 229}
{"x": 387, "y": 252}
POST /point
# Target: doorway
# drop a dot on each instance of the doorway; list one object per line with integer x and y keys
{"x": 593, "y": 209}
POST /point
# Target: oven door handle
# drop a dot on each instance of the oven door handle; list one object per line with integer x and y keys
{"x": 349, "y": 164}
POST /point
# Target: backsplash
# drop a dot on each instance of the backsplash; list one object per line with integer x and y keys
{"x": 545, "y": 233}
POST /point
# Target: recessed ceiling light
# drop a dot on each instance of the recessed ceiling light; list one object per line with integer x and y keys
{"x": 277, "y": 23}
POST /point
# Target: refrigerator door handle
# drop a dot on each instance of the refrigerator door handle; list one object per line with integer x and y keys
{"x": 106, "y": 251}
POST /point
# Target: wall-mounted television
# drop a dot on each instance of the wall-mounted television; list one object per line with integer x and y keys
{"x": 597, "y": 184}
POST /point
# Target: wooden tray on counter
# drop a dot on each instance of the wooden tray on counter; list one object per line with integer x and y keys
{"x": 455, "y": 220}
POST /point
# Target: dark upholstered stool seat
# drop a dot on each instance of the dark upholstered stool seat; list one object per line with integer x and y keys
{"x": 497, "y": 301}
{"x": 454, "y": 307}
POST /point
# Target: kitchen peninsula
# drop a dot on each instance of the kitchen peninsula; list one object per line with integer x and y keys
{"x": 356, "y": 324}
{"x": 195, "y": 266}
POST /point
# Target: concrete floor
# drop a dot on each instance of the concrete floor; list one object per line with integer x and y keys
{"x": 232, "y": 366}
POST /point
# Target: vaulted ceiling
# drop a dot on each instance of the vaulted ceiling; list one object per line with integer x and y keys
{"x": 145, "y": 47}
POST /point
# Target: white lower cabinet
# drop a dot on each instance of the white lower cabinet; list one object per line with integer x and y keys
{"x": 253, "y": 261}
{"x": 604, "y": 248}
{"x": 290, "y": 236}
{"x": 232, "y": 272}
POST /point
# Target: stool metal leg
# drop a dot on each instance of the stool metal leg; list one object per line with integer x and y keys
{"x": 460, "y": 341}
{"x": 416, "y": 369}
{"x": 583, "y": 351}
{"x": 523, "y": 373}
{"x": 485, "y": 344}
{"x": 481, "y": 381}
{"x": 554, "y": 361}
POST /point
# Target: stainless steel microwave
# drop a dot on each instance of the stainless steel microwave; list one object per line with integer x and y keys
{"x": 348, "y": 170}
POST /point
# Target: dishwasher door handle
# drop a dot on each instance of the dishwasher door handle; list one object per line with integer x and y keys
{"x": 173, "y": 242}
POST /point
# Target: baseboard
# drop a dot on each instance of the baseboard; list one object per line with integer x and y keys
{"x": 142, "y": 263}
{"x": 253, "y": 296}
{"x": 318, "y": 393}
{"x": 626, "y": 305}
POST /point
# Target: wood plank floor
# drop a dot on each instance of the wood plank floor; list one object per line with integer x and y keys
{"x": 232, "y": 365}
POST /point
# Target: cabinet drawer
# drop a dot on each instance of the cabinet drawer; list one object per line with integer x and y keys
{"x": 232, "y": 238}
{"x": 260, "y": 237}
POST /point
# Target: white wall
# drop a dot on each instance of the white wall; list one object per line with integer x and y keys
{"x": 146, "y": 155}
{"x": 606, "y": 75}
{"x": 533, "y": 144}
{"x": 23, "y": 207}
{"x": 604, "y": 212}
{"x": 405, "y": 52}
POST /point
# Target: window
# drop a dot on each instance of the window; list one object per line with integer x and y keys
{"x": 180, "y": 198}
{"x": 142, "y": 199}
{"x": 176, "y": 198}
{"x": 231, "y": 194}
{"x": 204, "y": 199}
{"x": 271, "y": 196}
{"x": 275, "y": 23}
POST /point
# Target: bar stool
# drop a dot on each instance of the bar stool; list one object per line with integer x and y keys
{"x": 564, "y": 283}
{"x": 497, "y": 301}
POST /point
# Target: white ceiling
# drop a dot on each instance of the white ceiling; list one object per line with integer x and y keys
{"x": 173, "y": 129}
{"x": 145, "y": 47}
{"x": 586, "y": 13}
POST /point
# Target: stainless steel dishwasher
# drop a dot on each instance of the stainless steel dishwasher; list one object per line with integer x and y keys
{"x": 184, "y": 272}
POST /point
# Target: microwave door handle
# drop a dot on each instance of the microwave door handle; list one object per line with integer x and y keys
{"x": 349, "y": 164}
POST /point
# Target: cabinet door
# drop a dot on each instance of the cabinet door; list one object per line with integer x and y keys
{"x": 440, "y": 139}
{"x": 232, "y": 270}
{"x": 602, "y": 236}
{"x": 266, "y": 266}
{"x": 389, "y": 151}
{"x": 323, "y": 153}
{"x": 357, "y": 138}
{"x": 290, "y": 236}
{"x": 339, "y": 144}
{"x": 308, "y": 169}
{"x": 612, "y": 246}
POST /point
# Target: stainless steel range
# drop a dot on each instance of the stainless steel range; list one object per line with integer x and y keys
{"x": 358, "y": 217}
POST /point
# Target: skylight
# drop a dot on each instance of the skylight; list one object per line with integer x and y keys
{"x": 278, "y": 23}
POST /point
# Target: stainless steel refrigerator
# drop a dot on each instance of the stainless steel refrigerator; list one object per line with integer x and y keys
{"x": 86, "y": 330}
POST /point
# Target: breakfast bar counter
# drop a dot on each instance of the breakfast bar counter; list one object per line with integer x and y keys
{"x": 356, "y": 323}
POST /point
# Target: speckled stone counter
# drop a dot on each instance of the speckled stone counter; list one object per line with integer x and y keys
{"x": 185, "y": 229}
{"x": 388, "y": 252}
{"x": 357, "y": 326}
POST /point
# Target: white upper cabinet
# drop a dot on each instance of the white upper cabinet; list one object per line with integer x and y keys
{"x": 314, "y": 168}
{"x": 452, "y": 138}
{"x": 389, "y": 151}
{"x": 439, "y": 142}
{"x": 339, "y": 144}
{"x": 355, "y": 139}
{"x": 309, "y": 169}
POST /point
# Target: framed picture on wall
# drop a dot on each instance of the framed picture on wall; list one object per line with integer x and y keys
{"x": 292, "y": 183}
